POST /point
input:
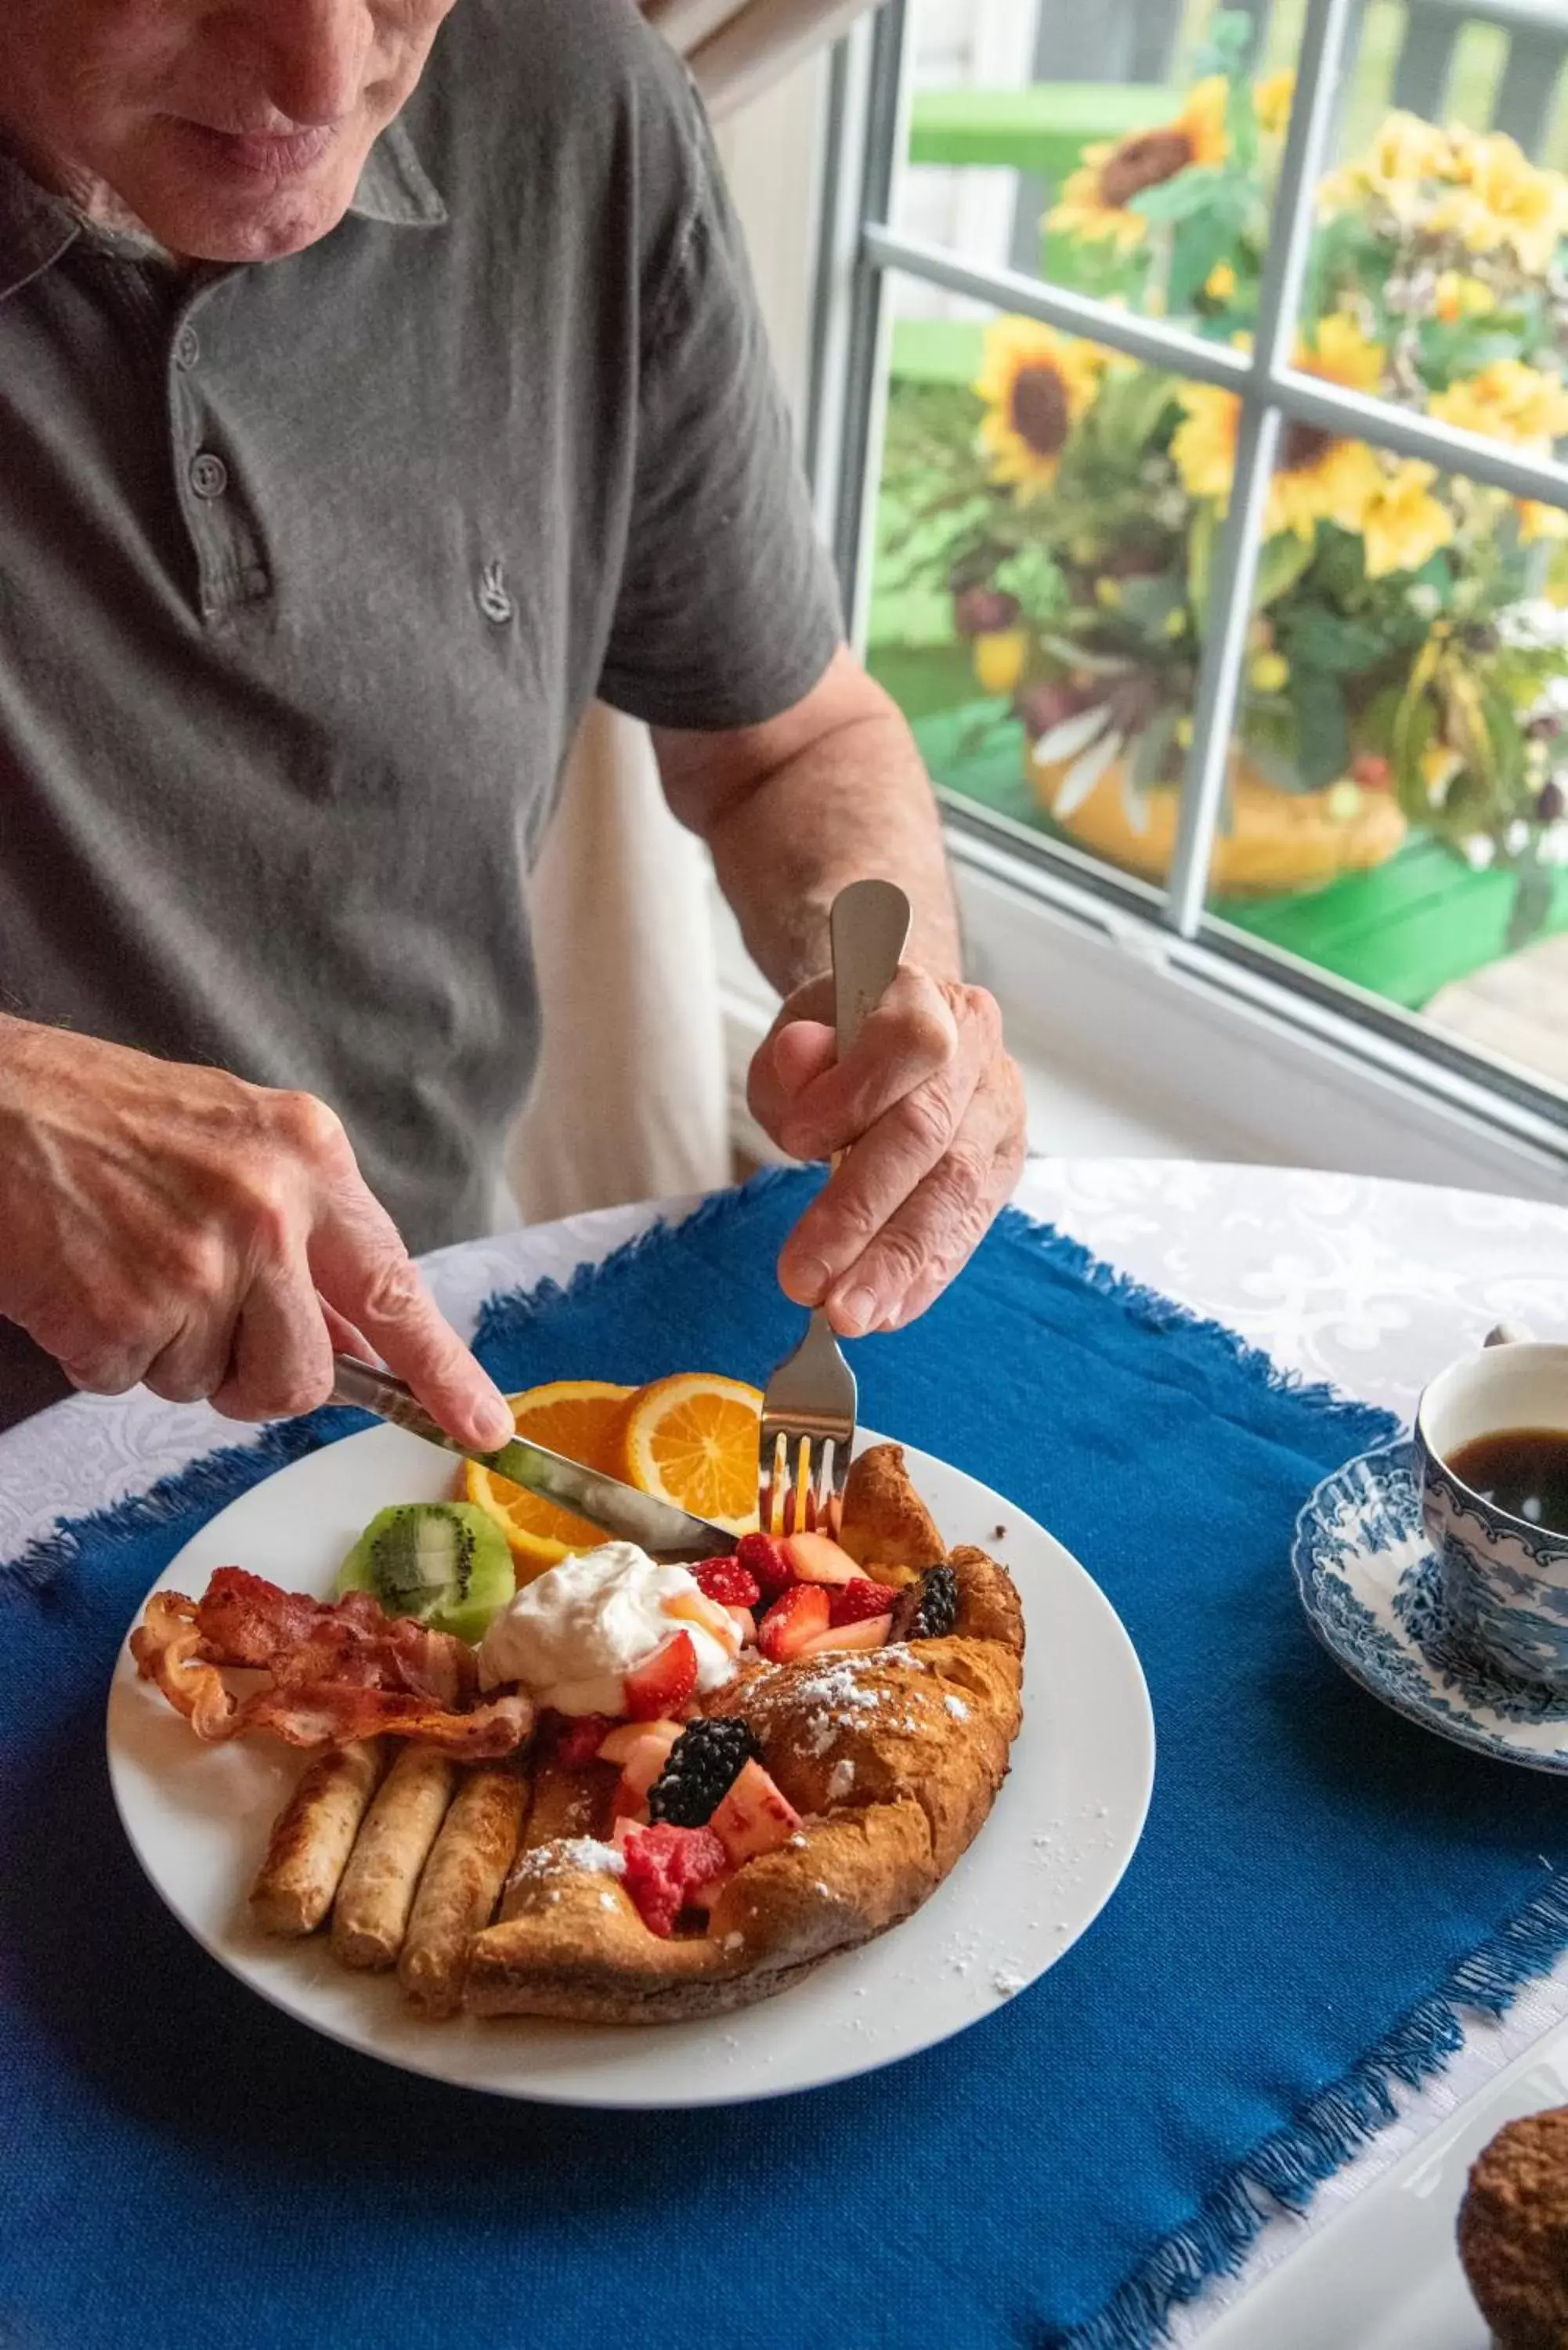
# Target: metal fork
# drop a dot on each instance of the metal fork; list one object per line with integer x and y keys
{"x": 808, "y": 1410}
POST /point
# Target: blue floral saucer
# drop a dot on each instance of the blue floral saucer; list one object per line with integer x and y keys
{"x": 1372, "y": 1589}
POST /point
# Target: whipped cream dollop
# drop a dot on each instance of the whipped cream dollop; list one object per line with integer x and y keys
{"x": 573, "y": 1633}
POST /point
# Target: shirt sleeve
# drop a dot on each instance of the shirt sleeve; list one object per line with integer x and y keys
{"x": 728, "y": 610}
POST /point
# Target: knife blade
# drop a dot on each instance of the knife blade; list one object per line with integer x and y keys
{"x": 668, "y": 1535}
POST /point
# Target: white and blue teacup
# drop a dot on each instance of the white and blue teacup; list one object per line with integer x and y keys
{"x": 1504, "y": 1580}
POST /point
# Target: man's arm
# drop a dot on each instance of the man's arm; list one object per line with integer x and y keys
{"x": 827, "y": 793}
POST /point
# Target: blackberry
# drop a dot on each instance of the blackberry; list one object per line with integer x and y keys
{"x": 704, "y": 1763}
{"x": 927, "y": 1610}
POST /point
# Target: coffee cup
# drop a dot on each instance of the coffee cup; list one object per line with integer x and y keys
{"x": 1505, "y": 1578}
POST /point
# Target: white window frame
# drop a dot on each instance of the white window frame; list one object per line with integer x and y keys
{"x": 1488, "y": 1104}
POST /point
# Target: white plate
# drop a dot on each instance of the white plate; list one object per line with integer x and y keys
{"x": 1062, "y": 1832}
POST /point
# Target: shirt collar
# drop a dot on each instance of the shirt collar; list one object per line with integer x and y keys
{"x": 36, "y": 226}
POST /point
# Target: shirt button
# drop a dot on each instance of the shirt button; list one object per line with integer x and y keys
{"x": 187, "y": 346}
{"x": 209, "y": 475}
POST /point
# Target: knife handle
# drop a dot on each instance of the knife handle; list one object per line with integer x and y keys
{"x": 370, "y": 1390}
{"x": 868, "y": 929}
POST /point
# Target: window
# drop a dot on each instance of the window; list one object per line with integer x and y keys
{"x": 1190, "y": 384}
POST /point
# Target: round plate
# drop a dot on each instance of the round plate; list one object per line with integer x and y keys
{"x": 1372, "y": 1588}
{"x": 1063, "y": 1830}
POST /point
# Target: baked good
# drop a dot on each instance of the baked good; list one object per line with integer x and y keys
{"x": 891, "y": 1756}
{"x": 1513, "y": 2232}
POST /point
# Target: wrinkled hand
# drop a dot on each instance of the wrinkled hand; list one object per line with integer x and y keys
{"x": 212, "y": 1238}
{"x": 930, "y": 1107}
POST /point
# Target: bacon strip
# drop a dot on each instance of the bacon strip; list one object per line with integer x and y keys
{"x": 338, "y": 1672}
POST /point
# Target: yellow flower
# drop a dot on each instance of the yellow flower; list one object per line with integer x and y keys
{"x": 1403, "y": 525}
{"x": 1537, "y": 520}
{"x": 1035, "y": 384}
{"x": 1406, "y": 154}
{"x": 1097, "y": 199}
{"x": 1270, "y": 673}
{"x": 1320, "y": 479}
{"x": 1203, "y": 446}
{"x": 1341, "y": 353}
{"x": 1272, "y": 99}
{"x": 1220, "y": 283}
{"x": 1506, "y": 401}
{"x": 1000, "y": 657}
{"x": 1440, "y": 765}
{"x": 1502, "y": 200}
{"x": 1459, "y": 296}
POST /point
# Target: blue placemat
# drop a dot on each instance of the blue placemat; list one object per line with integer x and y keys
{"x": 1319, "y": 1881}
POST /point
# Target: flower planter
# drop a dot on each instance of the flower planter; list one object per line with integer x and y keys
{"x": 1276, "y": 842}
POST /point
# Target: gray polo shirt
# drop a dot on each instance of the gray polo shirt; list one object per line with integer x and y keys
{"x": 307, "y": 571}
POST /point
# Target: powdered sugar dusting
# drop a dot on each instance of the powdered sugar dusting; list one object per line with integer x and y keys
{"x": 581, "y": 1853}
{"x": 956, "y": 1708}
{"x": 840, "y": 1780}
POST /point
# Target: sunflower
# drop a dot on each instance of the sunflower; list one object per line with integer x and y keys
{"x": 1097, "y": 199}
{"x": 1035, "y": 384}
{"x": 1506, "y": 401}
{"x": 1319, "y": 477}
{"x": 1403, "y": 525}
{"x": 1501, "y": 199}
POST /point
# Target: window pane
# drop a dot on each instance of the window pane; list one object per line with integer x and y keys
{"x": 1128, "y": 149}
{"x": 1035, "y": 579}
{"x": 1397, "y": 806}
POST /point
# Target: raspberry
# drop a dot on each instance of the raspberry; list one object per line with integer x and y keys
{"x": 573, "y": 1739}
{"x": 762, "y": 1556}
{"x": 851, "y": 1603}
{"x": 665, "y": 1865}
{"x": 728, "y": 1582}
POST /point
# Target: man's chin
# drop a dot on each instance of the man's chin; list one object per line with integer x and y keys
{"x": 201, "y": 219}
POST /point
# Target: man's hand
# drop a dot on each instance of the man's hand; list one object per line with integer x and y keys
{"x": 174, "y": 1225}
{"x": 931, "y": 1109}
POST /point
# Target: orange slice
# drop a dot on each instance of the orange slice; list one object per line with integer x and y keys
{"x": 692, "y": 1439}
{"x": 581, "y": 1418}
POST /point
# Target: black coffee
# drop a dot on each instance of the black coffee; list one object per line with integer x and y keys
{"x": 1521, "y": 1469}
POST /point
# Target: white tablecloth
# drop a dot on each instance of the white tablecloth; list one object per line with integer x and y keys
{"x": 1373, "y": 1285}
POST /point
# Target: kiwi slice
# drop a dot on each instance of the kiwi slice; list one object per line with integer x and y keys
{"x": 445, "y": 1562}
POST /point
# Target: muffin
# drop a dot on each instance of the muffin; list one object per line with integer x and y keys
{"x": 1513, "y": 2232}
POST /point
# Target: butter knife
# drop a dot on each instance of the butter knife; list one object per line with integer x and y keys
{"x": 668, "y": 1535}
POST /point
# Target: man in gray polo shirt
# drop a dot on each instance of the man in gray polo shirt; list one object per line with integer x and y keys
{"x": 379, "y": 383}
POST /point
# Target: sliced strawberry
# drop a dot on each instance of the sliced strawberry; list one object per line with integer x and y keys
{"x": 662, "y": 1682}
{"x": 728, "y": 1582}
{"x": 753, "y": 1816}
{"x": 870, "y": 1632}
{"x": 763, "y": 1557}
{"x": 851, "y": 1601}
{"x": 815, "y": 1559}
{"x": 627, "y": 1734}
{"x": 642, "y": 1757}
{"x": 791, "y": 1621}
{"x": 665, "y": 1865}
{"x": 571, "y": 1741}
